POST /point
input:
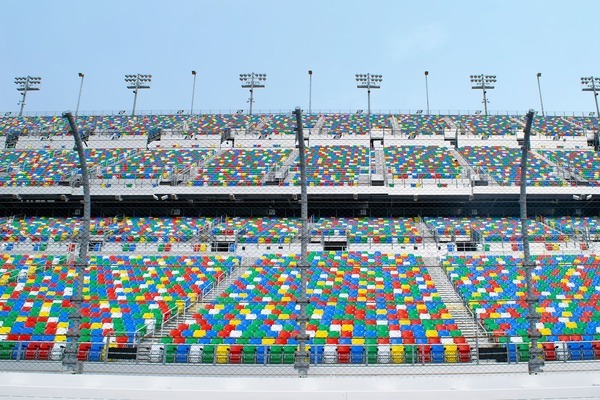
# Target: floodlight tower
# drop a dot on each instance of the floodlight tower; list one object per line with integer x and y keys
{"x": 592, "y": 84}
{"x": 24, "y": 85}
{"x": 137, "y": 82}
{"x": 368, "y": 81}
{"x": 252, "y": 81}
{"x": 483, "y": 82}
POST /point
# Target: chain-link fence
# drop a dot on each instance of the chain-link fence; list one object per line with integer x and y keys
{"x": 414, "y": 254}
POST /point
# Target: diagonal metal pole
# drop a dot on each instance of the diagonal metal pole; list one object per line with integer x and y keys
{"x": 536, "y": 361}
{"x": 73, "y": 334}
{"x": 302, "y": 356}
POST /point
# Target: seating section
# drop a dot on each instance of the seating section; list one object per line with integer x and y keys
{"x": 493, "y": 229}
{"x": 278, "y": 124}
{"x": 124, "y": 296}
{"x": 335, "y": 124}
{"x": 503, "y": 165}
{"x": 414, "y": 124}
{"x": 334, "y": 165}
{"x": 582, "y": 165}
{"x": 239, "y": 167}
{"x": 421, "y": 162}
{"x": 588, "y": 227}
{"x": 257, "y": 230}
{"x": 156, "y": 164}
{"x": 494, "y": 287}
{"x": 33, "y": 125}
{"x": 355, "y": 298}
{"x": 367, "y": 230}
{"x": 50, "y": 167}
{"x": 553, "y": 126}
{"x": 582, "y": 124}
{"x": 487, "y": 125}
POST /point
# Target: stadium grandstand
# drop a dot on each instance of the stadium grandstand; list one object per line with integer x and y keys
{"x": 414, "y": 256}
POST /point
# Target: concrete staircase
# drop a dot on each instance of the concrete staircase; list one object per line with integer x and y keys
{"x": 146, "y": 343}
{"x": 395, "y": 125}
{"x": 472, "y": 331}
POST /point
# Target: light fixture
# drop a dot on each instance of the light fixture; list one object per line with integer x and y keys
{"x": 118, "y": 197}
{"x": 483, "y": 82}
{"x": 582, "y": 197}
{"x": 64, "y": 198}
{"x": 252, "y": 81}
{"x": 155, "y": 197}
{"x": 368, "y": 81}
{"x": 591, "y": 84}
{"x": 164, "y": 197}
{"x": 24, "y": 85}
{"x": 137, "y": 82}
{"x": 174, "y": 197}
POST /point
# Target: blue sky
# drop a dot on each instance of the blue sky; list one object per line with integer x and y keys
{"x": 284, "y": 39}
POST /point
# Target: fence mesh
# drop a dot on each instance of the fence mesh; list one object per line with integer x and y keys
{"x": 415, "y": 256}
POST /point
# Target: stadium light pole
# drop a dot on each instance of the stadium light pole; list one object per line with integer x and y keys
{"x": 193, "y": 92}
{"x": 137, "y": 82}
{"x": 368, "y": 81}
{"x": 539, "y": 75}
{"x": 310, "y": 91}
{"x": 427, "y": 90}
{"x": 81, "y": 75}
{"x": 592, "y": 84}
{"x": 483, "y": 82}
{"x": 24, "y": 85}
{"x": 252, "y": 81}
{"x": 309, "y": 98}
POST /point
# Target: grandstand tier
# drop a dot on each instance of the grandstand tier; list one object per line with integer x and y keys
{"x": 414, "y": 248}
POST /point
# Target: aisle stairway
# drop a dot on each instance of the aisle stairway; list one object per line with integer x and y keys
{"x": 195, "y": 307}
{"x": 464, "y": 319}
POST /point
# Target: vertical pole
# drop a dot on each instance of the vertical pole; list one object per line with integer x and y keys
{"x": 251, "y": 97}
{"x": 309, "y": 92}
{"x": 193, "y": 93}
{"x": 24, "y": 96}
{"x": 535, "y": 359}
{"x": 484, "y": 93}
{"x": 369, "y": 105}
{"x": 302, "y": 357}
{"x": 73, "y": 334}
{"x": 427, "y": 91}
{"x": 476, "y": 336}
{"x": 79, "y": 97}
{"x": 595, "y": 97}
{"x": 539, "y": 74}
{"x": 135, "y": 93}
